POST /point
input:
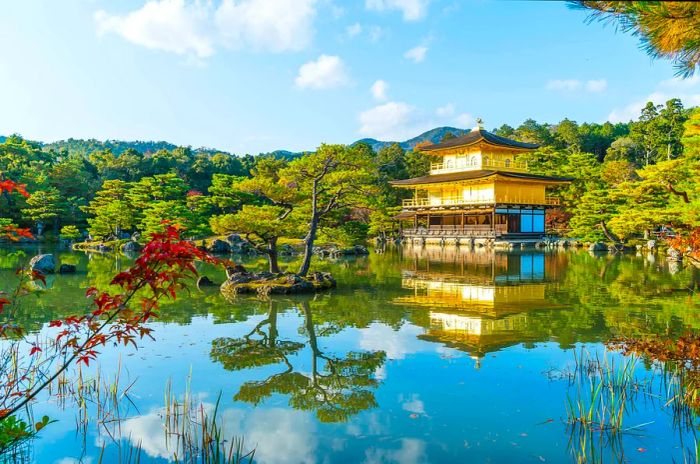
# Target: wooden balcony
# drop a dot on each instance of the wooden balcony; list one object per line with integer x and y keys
{"x": 475, "y": 231}
{"x": 459, "y": 201}
{"x": 513, "y": 166}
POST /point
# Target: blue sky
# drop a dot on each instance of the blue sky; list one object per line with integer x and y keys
{"x": 258, "y": 75}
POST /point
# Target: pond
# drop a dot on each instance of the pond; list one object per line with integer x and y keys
{"x": 420, "y": 355}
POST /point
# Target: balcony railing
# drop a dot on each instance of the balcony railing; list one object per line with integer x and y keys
{"x": 508, "y": 165}
{"x": 459, "y": 201}
{"x": 485, "y": 230}
{"x": 445, "y": 201}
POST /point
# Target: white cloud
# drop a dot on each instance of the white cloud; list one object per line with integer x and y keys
{"x": 567, "y": 85}
{"x": 688, "y": 90}
{"x": 412, "y": 451}
{"x": 412, "y": 10}
{"x": 400, "y": 121}
{"x": 413, "y": 404}
{"x": 596, "y": 85}
{"x": 325, "y": 73}
{"x": 271, "y": 25}
{"x": 390, "y": 121}
{"x": 168, "y": 25}
{"x": 465, "y": 121}
{"x": 417, "y": 54}
{"x": 353, "y": 29}
{"x": 376, "y": 33}
{"x": 446, "y": 111}
{"x": 379, "y": 89}
{"x": 196, "y": 27}
{"x": 280, "y": 436}
{"x": 395, "y": 343}
{"x": 574, "y": 85}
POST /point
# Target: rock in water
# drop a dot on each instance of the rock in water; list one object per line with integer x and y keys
{"x": 66, "y": 269}
{"x": 219, "y": 246}
{"x": 235, "y": 269}
{"x": 598, "y": 246}
{"x": 205, "y": 281}
{"x": 131, "y": 247}
{"x": 46, "y": 264}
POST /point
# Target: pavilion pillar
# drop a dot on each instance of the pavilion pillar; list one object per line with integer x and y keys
{"x": 415, "y": 221}
{"x": 493, "y": 220}
{"x": 462, "y": 221}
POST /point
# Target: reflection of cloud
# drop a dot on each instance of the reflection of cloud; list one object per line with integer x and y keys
{"x": 412, "y": 451}
{"x": 396, "y": 343}
{"x": 87, "y": 460}
{"x": 279, "y": 436}
{"x": 413, "y": 404}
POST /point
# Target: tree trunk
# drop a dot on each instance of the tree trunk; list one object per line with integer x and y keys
{"x": 311, "y": 236}
{"x": 272, "y": 255}
{"x": 610, "y": 236}
{"x": 309, "y": 246}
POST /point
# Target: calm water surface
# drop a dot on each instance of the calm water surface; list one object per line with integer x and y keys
{"x": 421, "y": 355}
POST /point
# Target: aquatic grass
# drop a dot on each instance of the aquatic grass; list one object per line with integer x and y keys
{"x": 197, "y": 432}
{"x": 192, "y": 429}
{"x": 604, "y": 393}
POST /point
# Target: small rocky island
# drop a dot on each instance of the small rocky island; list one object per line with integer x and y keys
{"x": 241, "y": 281}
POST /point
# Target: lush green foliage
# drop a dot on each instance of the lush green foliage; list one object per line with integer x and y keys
{"x": 628, "y": 181}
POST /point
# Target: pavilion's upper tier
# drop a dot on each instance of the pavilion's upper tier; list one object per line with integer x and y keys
{"x": 477, "y": 150}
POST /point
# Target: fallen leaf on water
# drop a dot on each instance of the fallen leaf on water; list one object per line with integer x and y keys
{"x": 413, "y": 416}
{"x": 541, "y": 458}
{"x": 642, "y": 450}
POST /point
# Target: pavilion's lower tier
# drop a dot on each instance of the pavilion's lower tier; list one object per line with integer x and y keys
{"x": 495, "y": 222}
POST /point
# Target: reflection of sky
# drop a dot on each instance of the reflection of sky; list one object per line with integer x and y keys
{"x": 397, "y": 344}
{"x": 433, "y": 405}
{"x": 280, "y": 436}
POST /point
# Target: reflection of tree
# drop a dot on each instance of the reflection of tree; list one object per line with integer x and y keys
{"x": 240, "y": 353}
{"x": 337, "y": 387}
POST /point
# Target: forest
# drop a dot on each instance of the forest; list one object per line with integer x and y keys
{"x": 630, "y": 181}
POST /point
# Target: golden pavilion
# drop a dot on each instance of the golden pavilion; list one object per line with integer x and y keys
{"x": 477, "y": 189}
{"x": 478, "y": 301}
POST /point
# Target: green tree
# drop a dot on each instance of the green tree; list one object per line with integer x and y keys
{"x": 43, "y": 206}
{"x": 334, "y": 387}
{"x": 70, "y": 232}
{"x": 111, "y": 210}
{"x": 332, "y": 178}
{"x": 261, "y": 226}
{"x": 668, "y": 30}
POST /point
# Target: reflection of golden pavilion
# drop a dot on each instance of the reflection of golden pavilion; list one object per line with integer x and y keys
{"x": 478, "y": 299}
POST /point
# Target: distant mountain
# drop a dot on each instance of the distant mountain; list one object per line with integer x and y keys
{"x": 432, "y": 136}
{"x": 86, "y": 146}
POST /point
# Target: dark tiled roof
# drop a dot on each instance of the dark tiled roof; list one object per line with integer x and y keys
{"x": 477, "y": 174}
{"x": 477, "y": 136}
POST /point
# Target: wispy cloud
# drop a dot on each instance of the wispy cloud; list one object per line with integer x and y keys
{"x": 416, "y": 54}
{"x": 199, "y": 28}
{"x": 688, "y": 90}
{"x": 168, "y": 25}
{"x": 379, "y": 90}
{"x": 266, "y": 25}
{"x": 326, "y": 72}
{"x": 400, "y": 121}
{"x": 575, "y": 85}
{"x": 412, "y": 10}
{"x": 353, "y": 29}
